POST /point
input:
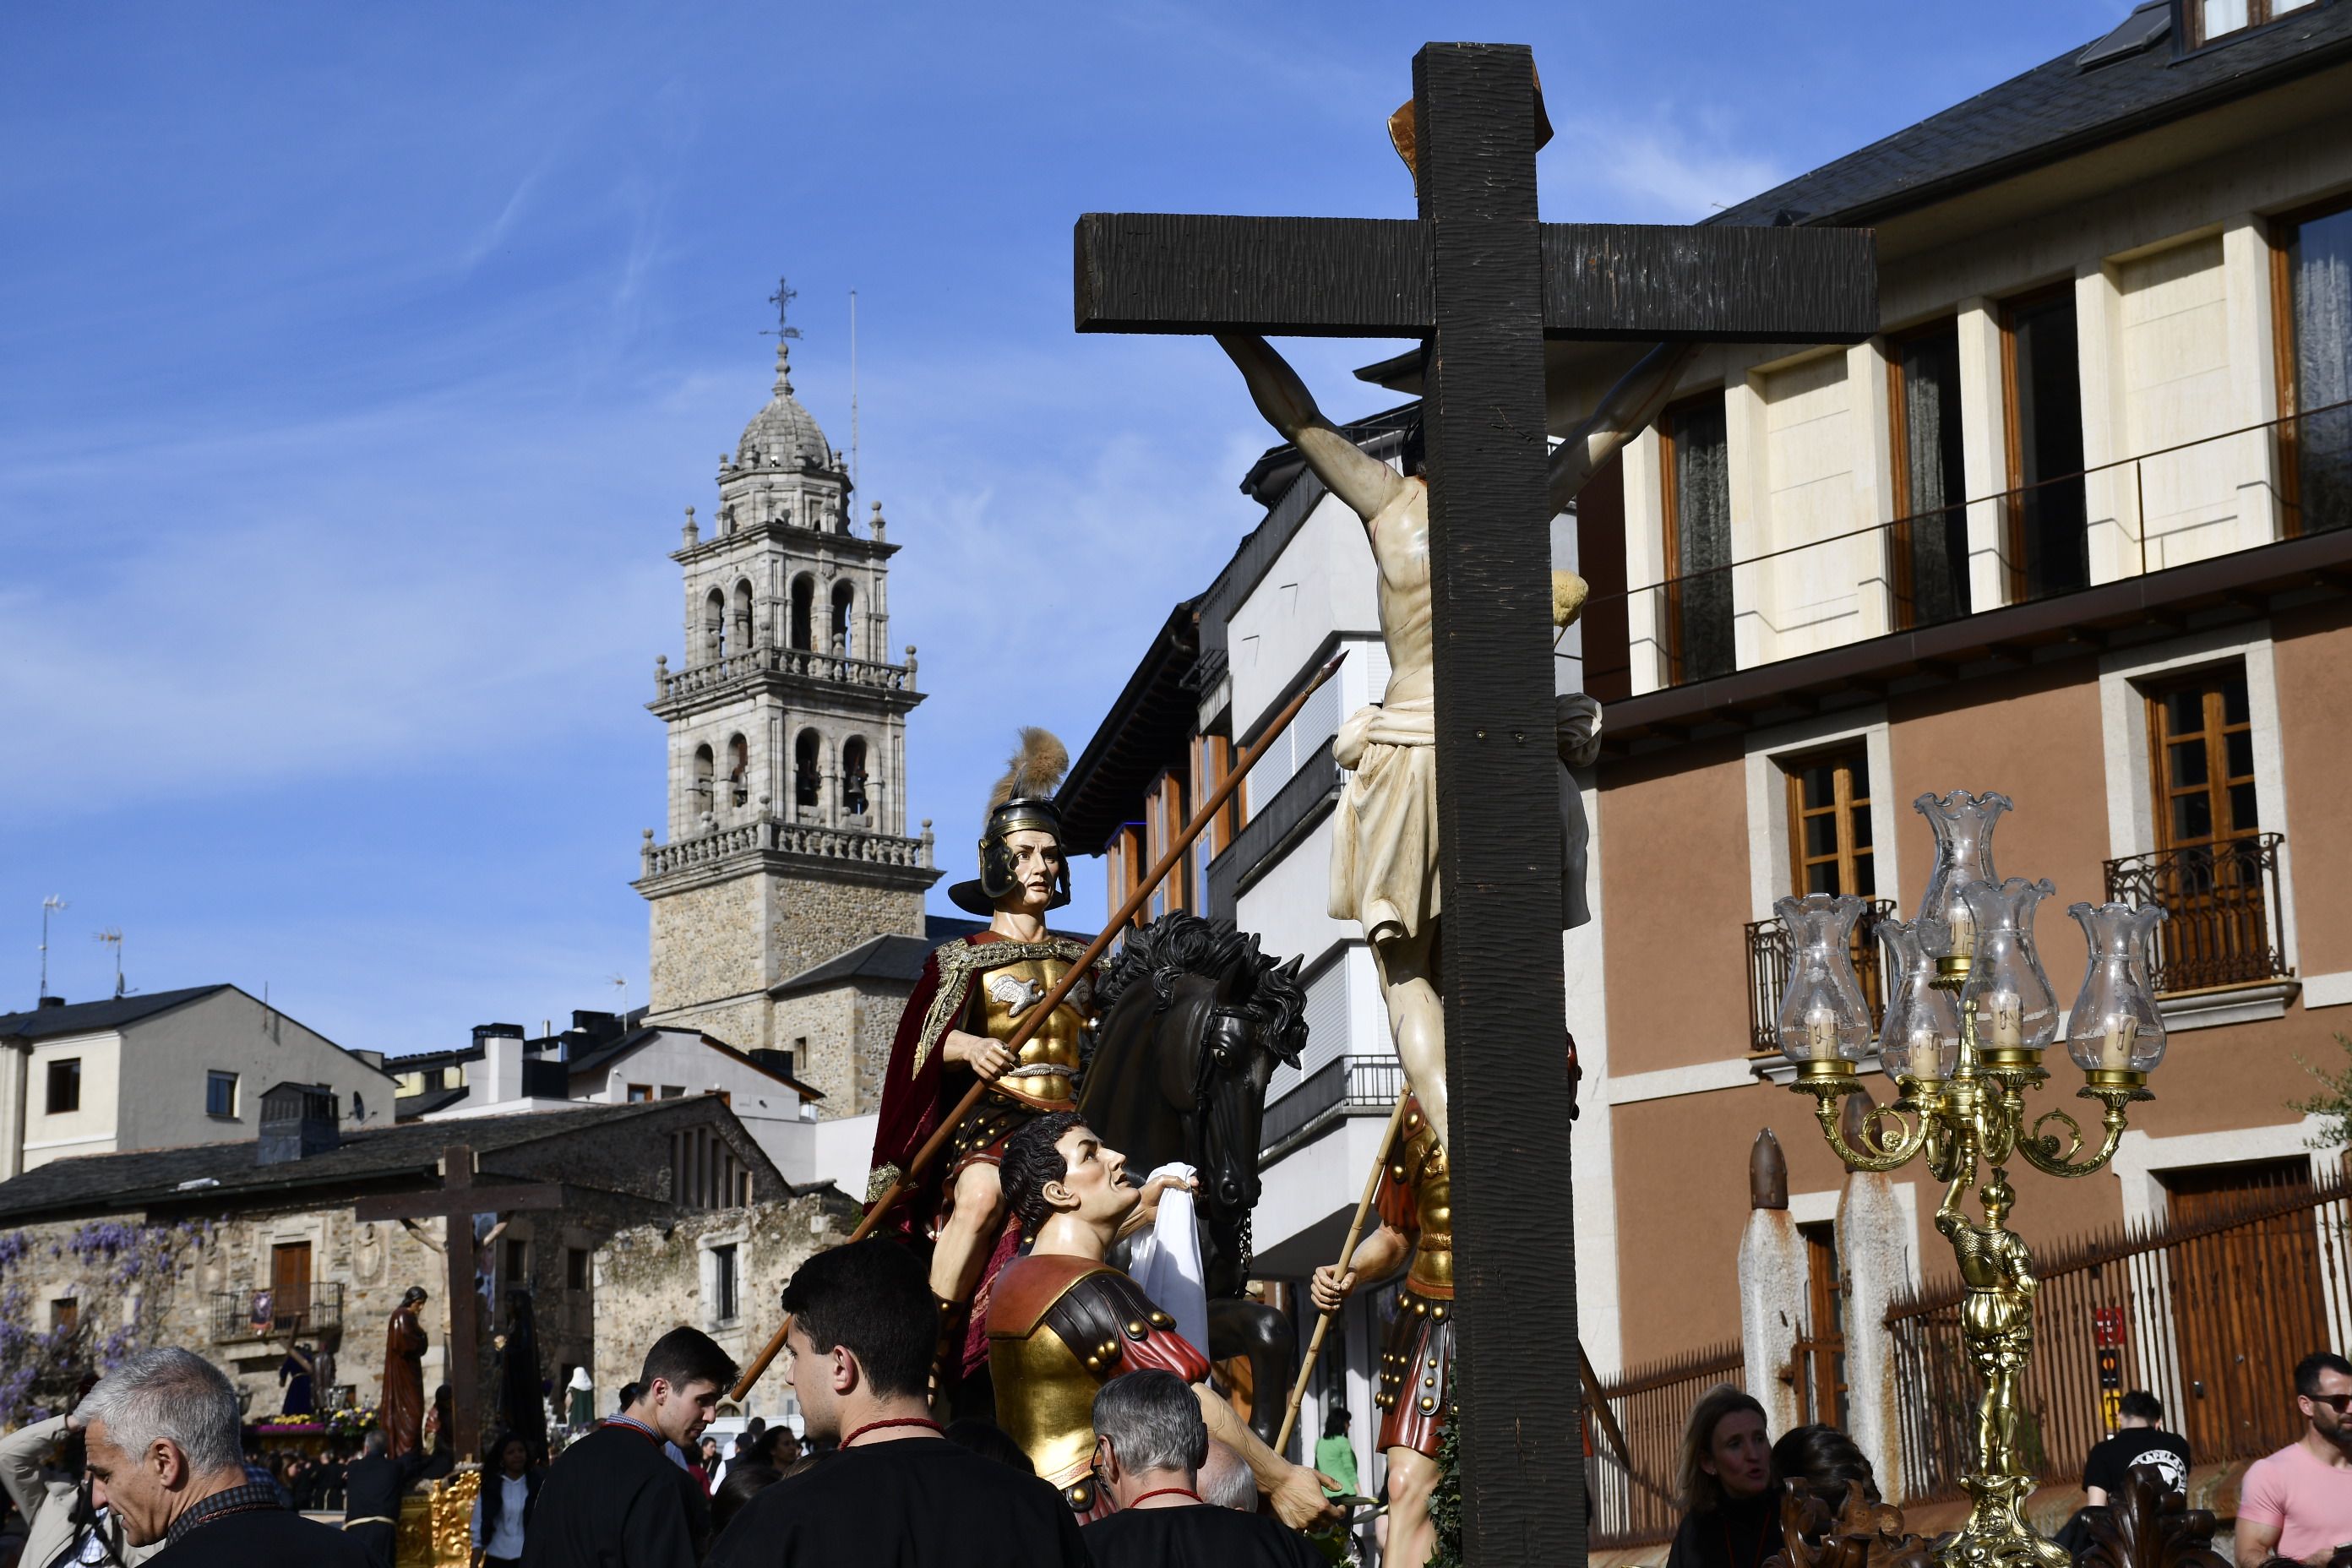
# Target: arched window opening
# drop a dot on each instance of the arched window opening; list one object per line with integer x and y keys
{"x": 714, "y": 625}
{"x": 843, "y": 596}
{"x": 853, "y": 777}
{"x": 805, "y": 779}
{"x": 739, "y": 770}
{"x": 705, "y": 767}
{"x": 742, "y": 643}
{"x": 804, "y": 607}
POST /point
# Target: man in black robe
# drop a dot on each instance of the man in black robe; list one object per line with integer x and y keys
{"x": 1149, "y": 1444}
{"x": 372, "y": 1490}
{"x": 862, "y": 1327}
{"x": 614, "y": 1499}
{"x": 162, "y": 1437}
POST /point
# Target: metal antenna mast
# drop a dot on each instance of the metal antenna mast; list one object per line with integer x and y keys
{"x": 852, "y": 389}
{"x": 112, "y": 937}
{"x": 49, "y": 905}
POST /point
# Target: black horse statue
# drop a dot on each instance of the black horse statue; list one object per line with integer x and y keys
{"x": 1193, "y": 1020}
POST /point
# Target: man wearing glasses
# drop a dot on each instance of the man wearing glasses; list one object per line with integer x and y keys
{"x": 2297, "y": 1503}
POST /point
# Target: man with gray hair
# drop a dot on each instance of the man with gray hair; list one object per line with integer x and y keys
{"x": 162, "y": 1439}
{"x": 1151, "y": 1442}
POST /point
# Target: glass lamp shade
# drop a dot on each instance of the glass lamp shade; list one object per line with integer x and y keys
{"x": 1823, "y": 1014}
{"x": 1963, "y": 825}
{"x": 2008, "y": 996}
{"x": 1921, "y": 1035}
{"x": 2114, "y": 1026}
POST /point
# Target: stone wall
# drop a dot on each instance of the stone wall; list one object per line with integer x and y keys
{"x": 707, "y": 944}
{"x": 650, "y": 1278}
{"x": 815, "y": 919}
{"x": 848, "y": 1028}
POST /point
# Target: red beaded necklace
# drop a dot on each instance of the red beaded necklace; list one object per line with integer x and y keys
{"x": 1165, "y": 1491}
{"x": 877, "y": 1425}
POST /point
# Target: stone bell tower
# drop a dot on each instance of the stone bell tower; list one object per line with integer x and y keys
{"x": 787, "y": 840}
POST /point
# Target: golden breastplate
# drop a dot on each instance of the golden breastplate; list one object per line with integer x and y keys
{"x": 1045, "y": 1403}
{"x": 1433, "y": 1194}
{"x": 1046, "y": 1076}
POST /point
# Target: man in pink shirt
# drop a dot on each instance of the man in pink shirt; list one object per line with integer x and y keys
{"x": 2297, "y": 1503}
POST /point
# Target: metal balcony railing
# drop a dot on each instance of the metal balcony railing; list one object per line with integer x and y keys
{"x": 1681, "y": 630}
{"x": 315, "y": 1307}
{"x": 2222, "y": 911}
{"x": 1768, "y": 971}
{"x": 1340, "y": 1087}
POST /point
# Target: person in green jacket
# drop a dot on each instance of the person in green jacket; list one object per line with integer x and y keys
{"x": 1335, "y": 1455}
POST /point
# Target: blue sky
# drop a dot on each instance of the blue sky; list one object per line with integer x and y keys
{"x": 356, "y": 363}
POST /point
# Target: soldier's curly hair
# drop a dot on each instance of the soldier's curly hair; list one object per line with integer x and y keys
{"x": 1033, "y": 1158}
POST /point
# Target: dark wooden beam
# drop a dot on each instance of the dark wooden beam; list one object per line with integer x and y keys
{"x": 1333, "y": 276}
{"x": 1499, "y": 815}
{"x": 1283, "y": 276}
{"x": 1642, "y": 282}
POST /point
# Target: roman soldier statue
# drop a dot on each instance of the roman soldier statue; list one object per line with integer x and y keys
{"x": 974, "y": 993}
{"x": 1417, "y": 1208}
{"x": 1062, "y": 1322}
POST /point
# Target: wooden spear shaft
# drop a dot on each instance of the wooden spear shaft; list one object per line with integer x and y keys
{"x": 1347, "y": 1256}
{"x": 1595, "y": 1398}
{"x": 1207, "y": 814}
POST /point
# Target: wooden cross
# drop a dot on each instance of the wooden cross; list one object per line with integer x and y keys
{"x": 1484, "y": 283}
{"x": 458, "y": 1202}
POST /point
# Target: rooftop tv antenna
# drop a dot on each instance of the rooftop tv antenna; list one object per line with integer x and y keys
{"x": 620, "y": 983}
{"x": 112, "y": 937}
{"x": 53, "y": 903}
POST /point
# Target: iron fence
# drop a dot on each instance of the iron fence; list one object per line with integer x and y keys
{"x": 1651, "y": 1403}
{"x": 2209, "y": 1311}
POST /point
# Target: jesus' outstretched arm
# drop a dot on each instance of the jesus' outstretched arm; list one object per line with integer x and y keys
{"x": 1365, "y": 483}
{"x": 1622, "y": 412}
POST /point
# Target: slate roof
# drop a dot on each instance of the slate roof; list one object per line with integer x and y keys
{"x": 140, "y": 1178}
{"x": 86, "y": 1018}
{"x": 894, "y": 958}
{"x": 2056, "y": 110}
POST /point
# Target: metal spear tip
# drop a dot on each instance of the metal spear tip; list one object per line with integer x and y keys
{"x": 1330, "y": 666}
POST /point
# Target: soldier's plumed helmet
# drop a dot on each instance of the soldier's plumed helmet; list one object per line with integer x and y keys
{"x": 1021, "y": 802}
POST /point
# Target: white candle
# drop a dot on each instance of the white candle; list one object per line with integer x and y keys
{"x": 2115, "y": 1043}
{"x": 2007, "y": 1020}
{"x": 1964, "y": 930}
{"x": 1821, "y": 1034}
{"x": 1926, "y": 1054}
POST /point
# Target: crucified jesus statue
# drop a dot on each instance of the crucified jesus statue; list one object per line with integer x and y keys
{"x": 1384, "y": 847}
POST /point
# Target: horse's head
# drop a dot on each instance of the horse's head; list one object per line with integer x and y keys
{"x": 1257, "y": 1023}
{"x": 1222, "y": 1016}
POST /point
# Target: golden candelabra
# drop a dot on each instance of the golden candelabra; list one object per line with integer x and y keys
{"x": 1967, "y": 1016}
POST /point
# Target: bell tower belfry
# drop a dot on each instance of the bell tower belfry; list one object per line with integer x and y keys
{"x": 787, "y": 839}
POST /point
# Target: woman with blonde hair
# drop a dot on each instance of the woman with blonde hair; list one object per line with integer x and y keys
{"x": 1729, "y": 1513}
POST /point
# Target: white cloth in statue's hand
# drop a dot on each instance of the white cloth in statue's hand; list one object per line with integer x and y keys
{"x": 1166, "y": 1260}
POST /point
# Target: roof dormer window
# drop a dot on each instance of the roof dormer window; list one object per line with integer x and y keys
{"x": 2212, "y": 20}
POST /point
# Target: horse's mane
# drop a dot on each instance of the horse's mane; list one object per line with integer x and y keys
{"x": 1178, "y": 943}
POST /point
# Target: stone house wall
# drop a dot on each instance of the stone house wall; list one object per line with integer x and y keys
{"x": 652, "y": 1278}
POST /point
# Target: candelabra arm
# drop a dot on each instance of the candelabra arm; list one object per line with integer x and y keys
{"x": 1906, "y": 1143}
{"x": 2045, "y": 1153}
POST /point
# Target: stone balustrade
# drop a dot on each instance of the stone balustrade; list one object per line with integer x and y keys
{"x": 802, "y": 663}
{"x": 768, "y": 834}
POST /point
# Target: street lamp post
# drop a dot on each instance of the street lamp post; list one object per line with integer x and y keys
{"x": 1969, "y": 1015}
